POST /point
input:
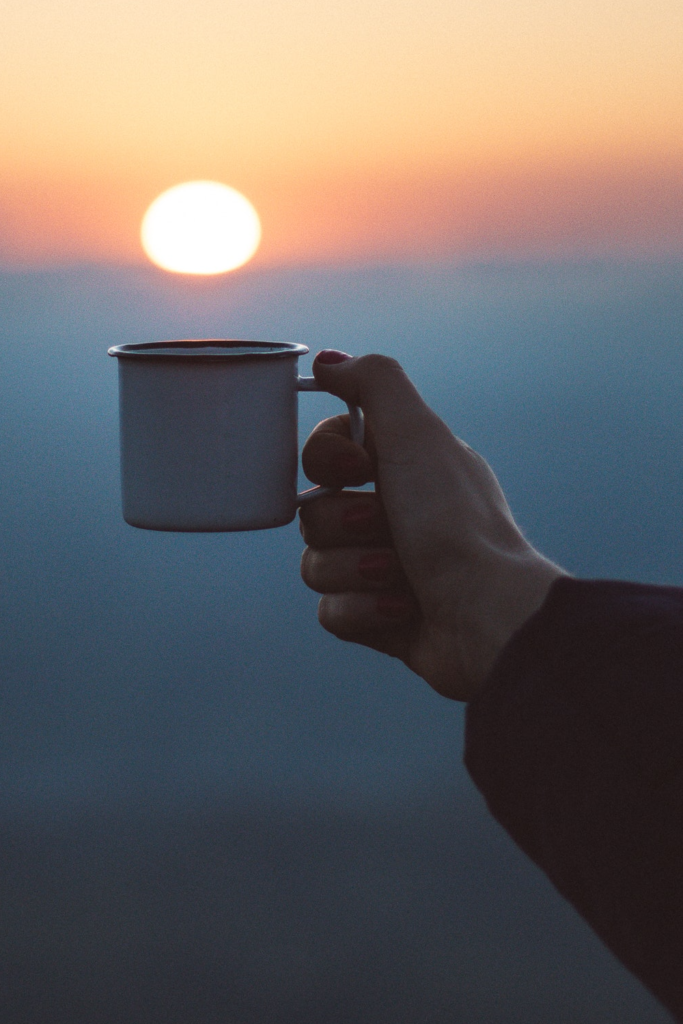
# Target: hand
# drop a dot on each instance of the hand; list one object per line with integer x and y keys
{"x": 431, "y": 567}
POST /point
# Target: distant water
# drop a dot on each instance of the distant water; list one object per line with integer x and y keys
{"x": 182, "y": 671}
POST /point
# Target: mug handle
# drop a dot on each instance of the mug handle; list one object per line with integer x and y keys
{"x": 356, "y": 423}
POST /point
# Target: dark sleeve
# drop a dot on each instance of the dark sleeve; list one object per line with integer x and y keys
{"x": 576, "y": 742}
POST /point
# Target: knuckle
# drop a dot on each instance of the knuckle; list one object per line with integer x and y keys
{"x": 375, "y": 364}
{"x": 305, "y": 529}
{"x": 470, "y": 454}
{"x": 344, "y": 615}
{"x": 339, "y": 615}
{"x": 328, "y": 613}
{"x": 332, "y": 425}
{"x": 307, "y": 567}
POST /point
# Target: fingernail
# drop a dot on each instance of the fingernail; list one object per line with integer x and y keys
{"x": 375, "y": 565}
{"x": 332, "y": 355}
{"x": 394, "y": 606}
{"x": 359, "y": 518}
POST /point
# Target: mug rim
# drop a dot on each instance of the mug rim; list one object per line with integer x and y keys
{"x": 225, "y": 348}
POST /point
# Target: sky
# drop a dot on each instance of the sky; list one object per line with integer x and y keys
{"x": 359, "y": 130}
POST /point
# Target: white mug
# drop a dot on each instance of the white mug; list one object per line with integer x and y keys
{"x": 209, "y": 434}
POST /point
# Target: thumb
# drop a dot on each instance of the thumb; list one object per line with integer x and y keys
{"x": 400, "y": 421}
{"x": 438, "y": 494}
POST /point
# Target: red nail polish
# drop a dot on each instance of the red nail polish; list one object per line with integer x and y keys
{"x": 359, "y": 518}
{"x": 332, "y": 355}
{"x": 394, "y": 606}
{"x": 375, "y": 565}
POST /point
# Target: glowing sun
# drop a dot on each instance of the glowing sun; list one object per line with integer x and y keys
{"x": 200, "y": 227}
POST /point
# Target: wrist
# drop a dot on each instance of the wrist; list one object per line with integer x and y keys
{"x": 514, "y": 593}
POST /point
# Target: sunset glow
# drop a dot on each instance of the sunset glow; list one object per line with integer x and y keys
{"x": 200, "y": 227}
{"x": 357, "y": 130}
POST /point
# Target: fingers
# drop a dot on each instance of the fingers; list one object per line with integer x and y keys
{"x": 443, "y": 503}
{"x": 398, "y": 417}
{"x": 352, "y": 569}
{"x": 381, "y": 621}
{"x": 431, "y": 567}
{"x": 332, "y": 459}
{"x": 347, "y": 519}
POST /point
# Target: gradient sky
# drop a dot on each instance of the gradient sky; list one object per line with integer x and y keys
{"x": 357, "y": 129}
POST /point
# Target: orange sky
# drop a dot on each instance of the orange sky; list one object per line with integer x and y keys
{"x": 358, "y": 128}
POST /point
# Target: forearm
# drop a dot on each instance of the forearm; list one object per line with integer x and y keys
{"x": 576, "y": 741}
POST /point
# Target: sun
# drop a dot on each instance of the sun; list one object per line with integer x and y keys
{"x": 200, "y": 227}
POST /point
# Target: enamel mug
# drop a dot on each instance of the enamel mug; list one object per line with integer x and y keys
{"x": 209, "y": 434}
